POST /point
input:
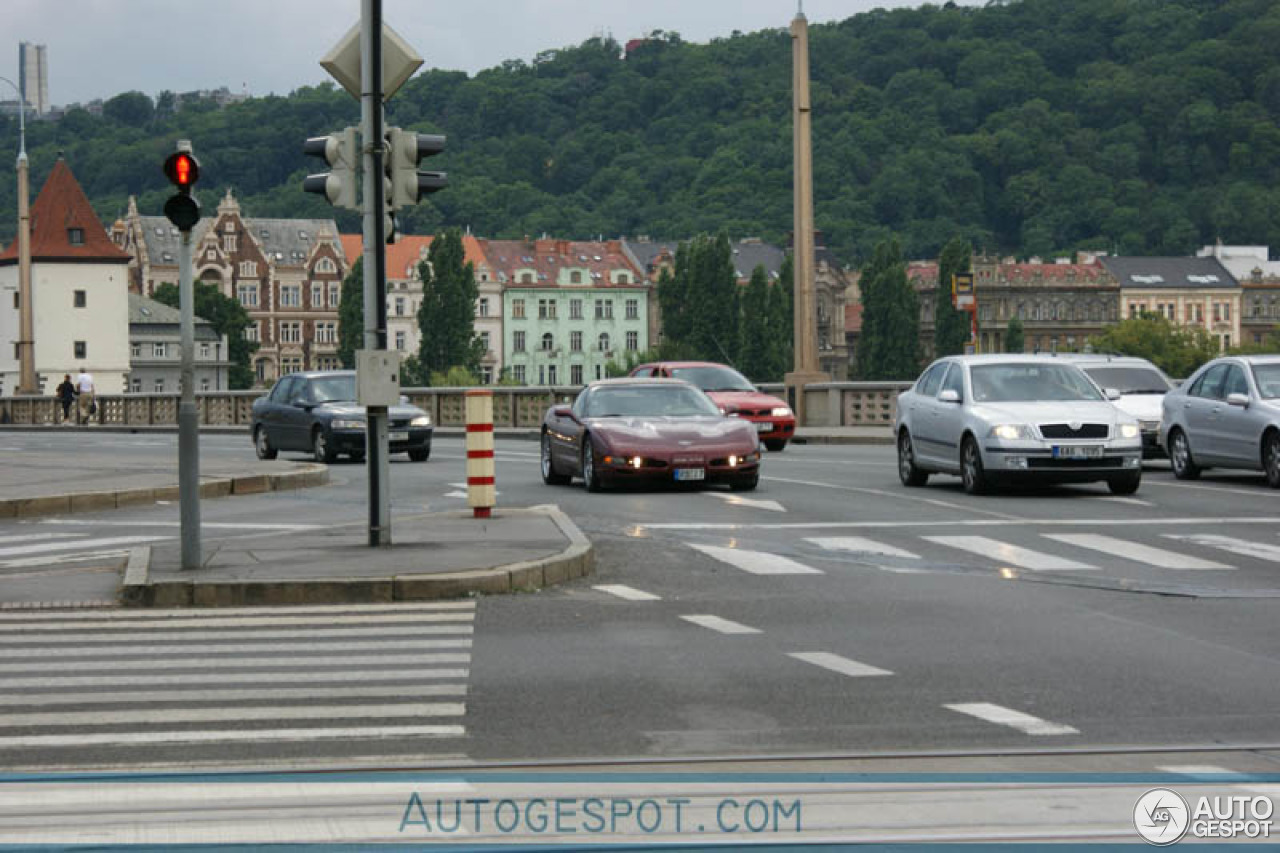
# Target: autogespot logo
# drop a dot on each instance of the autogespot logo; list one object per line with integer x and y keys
{"x": 1161, "y": 816}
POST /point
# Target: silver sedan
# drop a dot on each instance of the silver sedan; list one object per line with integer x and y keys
{"x": 1227, "y": 415}
{"x": 993, "y": 418}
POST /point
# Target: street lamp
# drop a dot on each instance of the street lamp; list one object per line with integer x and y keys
{"x": 26, "y": 337}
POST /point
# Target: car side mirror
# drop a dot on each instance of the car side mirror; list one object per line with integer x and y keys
{"x": 949, "y": 395}
{"x": 1112, "y": 393}
{"x": 1241, "y": 400}
{"x": 563, "y": 412}
{"x": 404, "y": 401}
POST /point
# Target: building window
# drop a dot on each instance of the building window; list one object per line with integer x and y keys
{"x": 204, "y": 350}
{"x": 1226, "y": 342}
{"x": 158, "y": 386}
{"x": 486, "y": 375}
{"x": 135, "y": 351}
{"x": 604, "y": 309}
{"x": 575, "y": 374}
{"x": 546, "y": 309}
{"x": 326, "y": 333}
{"x": 229, "y": 241}
{"x": 552, "y": 379}
{"x": 575, "y": 277}
{"x": 633, "y": 309}
{"x": 247, "y": 294}
{"x": 335, "y": 294}
{"x": 160, "y": 349}
{"x": 251, "y": 332}
{"x": 291, "y": 365}
{"x": 633, "y": 341}
{"x": 290, "y": 333}
{"x": 136, "y": 385}
{"x": 399, "y": 306}
{"x": 597, "y": 373}
{"x": 400, "y": 341}
{"x": 81, "y": 349}
{"x": 75, "y": 236}
{"x": 517, "y": 341}
{"x": 79, "y": 298}
{"x": 517, "y": 309}
{"x": 326, "y": 265}
{"x": 575, "y": 341}
{"x": 575, "y": 309}
{"x": 603, "y": 342}
{"x": 484, "y": 342}
{"x": 317, "y": 294}
{"x": 517, "y": 373}
{"x": 204, "y": 384}
{"x": 291, "y": 296}
{"x": 548, "y": 342}
{"x": 482, "y": 307}
{"x": 248, "y": 269}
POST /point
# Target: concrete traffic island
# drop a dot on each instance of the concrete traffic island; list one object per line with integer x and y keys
{"x": 433, "y": 556}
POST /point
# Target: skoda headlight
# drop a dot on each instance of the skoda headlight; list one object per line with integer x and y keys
{"x": 781, "y": 412}
{"x": 347, "y": 423}
{"x": 1129, "y": 430}
{"x": 1012, "y": 432}
{"x": 421, "y": 421}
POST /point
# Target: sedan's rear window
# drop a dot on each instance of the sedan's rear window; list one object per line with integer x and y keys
{"x": 1267, "y": 376}
{"x": 1129, "y": 380}
{"x": 1009, "y": 383}
{"x": 649, "y": 401}
{"x": 713, "y": 378}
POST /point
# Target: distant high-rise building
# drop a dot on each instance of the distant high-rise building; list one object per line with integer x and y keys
{"x": 33, "y": 76}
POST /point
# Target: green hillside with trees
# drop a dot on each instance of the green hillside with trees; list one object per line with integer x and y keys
{"x": 1030, "y": 127}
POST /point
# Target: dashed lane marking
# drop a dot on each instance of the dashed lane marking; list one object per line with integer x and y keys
{"x": 1002, "y": 716}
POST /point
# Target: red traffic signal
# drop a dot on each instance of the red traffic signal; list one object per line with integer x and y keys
{"x": 183, "y": 170}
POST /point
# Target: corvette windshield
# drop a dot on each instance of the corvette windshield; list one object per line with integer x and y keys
{"x": 713, "y": 378}
{"x": 1010, "y": 383}
{"x": 672, "y": 401}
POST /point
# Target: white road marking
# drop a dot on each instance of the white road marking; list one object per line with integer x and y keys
{"x": 150, "y": 648}
{"x": 34, "y": 537}
{"x": 970, "y": 510}
{"x": 1243, "y": 547}
{"x": 160, "y": 615}
{"x": 860, "y": 545}
{"x": 456, "y": 494}
{"x": 1136, "y": 552}
{"x": 629, "y": 593}
{"x": 1014, "y": 719}
{"x": 246, "y": 662}
{"x": 392, "y": 691}
{"x": 1270, "y": 790}
{"x": 204, "y": 525}
{"x": 1178, "y": 484}
{"x": 399, "y": 675}
{"x": 68, "y": 544}
{"x": 756, "y": 562}
{"x": 229, "y": 736}
{"x": 1121, "y": 500}
{"x": 1012, "y": 555}
{"x": 715, "y": 623}
{"x": 968, "y": 522}
{"x": 301, "y": 635}
{"x": 318, "y": 621}
{"x": 163, "y": 716}
{"x": 76, "y": 557}
{"x": 751, "y": 503}
{"x": 839, "y": 664}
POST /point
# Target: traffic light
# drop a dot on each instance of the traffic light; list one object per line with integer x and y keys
{"x": 340, "y": 151}
{"x": 405, "y": 183}
{"x": 183, "y": 171}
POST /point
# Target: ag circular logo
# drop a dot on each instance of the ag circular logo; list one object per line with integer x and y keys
{"x": 1161, "y": 816}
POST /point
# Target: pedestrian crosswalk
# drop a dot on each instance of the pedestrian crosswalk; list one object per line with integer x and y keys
{"x": 392, "y": 677}
{"x": 1026, "y": 550}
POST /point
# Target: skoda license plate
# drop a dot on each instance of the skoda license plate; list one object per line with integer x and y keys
{"x": 683, "y": 474}
{"x": 398, "y": 435}
{"x": 1078, "y": 451}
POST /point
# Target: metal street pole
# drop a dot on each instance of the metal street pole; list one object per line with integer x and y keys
{"x": 26, "y": 309}
{"x": 188, "y": 420}
{"x": 375, "y": 294}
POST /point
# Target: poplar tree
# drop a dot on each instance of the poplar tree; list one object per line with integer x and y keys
{"x": 351, "y": 315}
{"x": 951, "y": 328}
{"x": 446, "y": 319}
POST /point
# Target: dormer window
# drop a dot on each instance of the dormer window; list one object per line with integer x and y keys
{"x": 75, "y": 236}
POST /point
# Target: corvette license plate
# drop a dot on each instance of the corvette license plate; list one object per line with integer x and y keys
{"x": 763, "y": 426}
{"x": 1078, "y": 451}
{"x": 691, "y": 474}
{"x": 399, "y": 435}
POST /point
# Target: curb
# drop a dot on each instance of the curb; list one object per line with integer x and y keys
{"x": 251, "y": 484}
{"x": 576, "y": 560}
{"x": 845, "y": 439}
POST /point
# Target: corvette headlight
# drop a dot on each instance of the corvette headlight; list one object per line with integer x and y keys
{"x": 347, "y": 423}
{"x": 1129, "y": 430}
{"x": 781, "y": 412}
{"x": 421, "y": 420}
{"x": 1012, "y": 432}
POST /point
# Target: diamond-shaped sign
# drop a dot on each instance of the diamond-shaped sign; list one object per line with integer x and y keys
{"x": 399, "y": 61}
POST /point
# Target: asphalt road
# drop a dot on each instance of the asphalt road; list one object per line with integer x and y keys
{"x": 832, "y": 611}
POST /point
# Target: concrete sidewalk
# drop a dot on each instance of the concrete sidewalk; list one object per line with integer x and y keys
{"x": 432, "y": 556}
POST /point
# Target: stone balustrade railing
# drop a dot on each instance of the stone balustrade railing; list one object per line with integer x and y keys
{"x": 827, "y": 404}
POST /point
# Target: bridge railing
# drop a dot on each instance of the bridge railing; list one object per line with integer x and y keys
{"x": 829, "y": 404}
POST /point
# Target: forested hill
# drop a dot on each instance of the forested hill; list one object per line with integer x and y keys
{"x": 1032, "y": 127}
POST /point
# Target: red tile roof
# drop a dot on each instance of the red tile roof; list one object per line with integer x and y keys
{"x": 61, "y": 206}
{"x": 408, "y": 250}
{"x": 546, "y": 257}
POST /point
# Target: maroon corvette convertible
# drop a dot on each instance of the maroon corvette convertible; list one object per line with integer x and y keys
{"x": 656, "y": 430}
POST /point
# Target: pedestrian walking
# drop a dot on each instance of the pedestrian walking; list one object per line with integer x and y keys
{"x": 84, "y": 391}
{"x": 66, "y": 396}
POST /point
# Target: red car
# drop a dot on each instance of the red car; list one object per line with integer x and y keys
{"x": 656, "y": 430}
{"x": 735, "y": 396}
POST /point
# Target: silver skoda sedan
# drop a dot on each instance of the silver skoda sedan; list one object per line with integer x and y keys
{"x": 1227, "y": 415}
{"x": 998, "y": 418}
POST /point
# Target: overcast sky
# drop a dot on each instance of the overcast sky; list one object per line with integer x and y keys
{"x": 100, "y": 48}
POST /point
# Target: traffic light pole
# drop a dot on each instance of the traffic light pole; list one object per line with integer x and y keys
{"x": 188, "y": 419}
{"x": 375, "y": 279}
